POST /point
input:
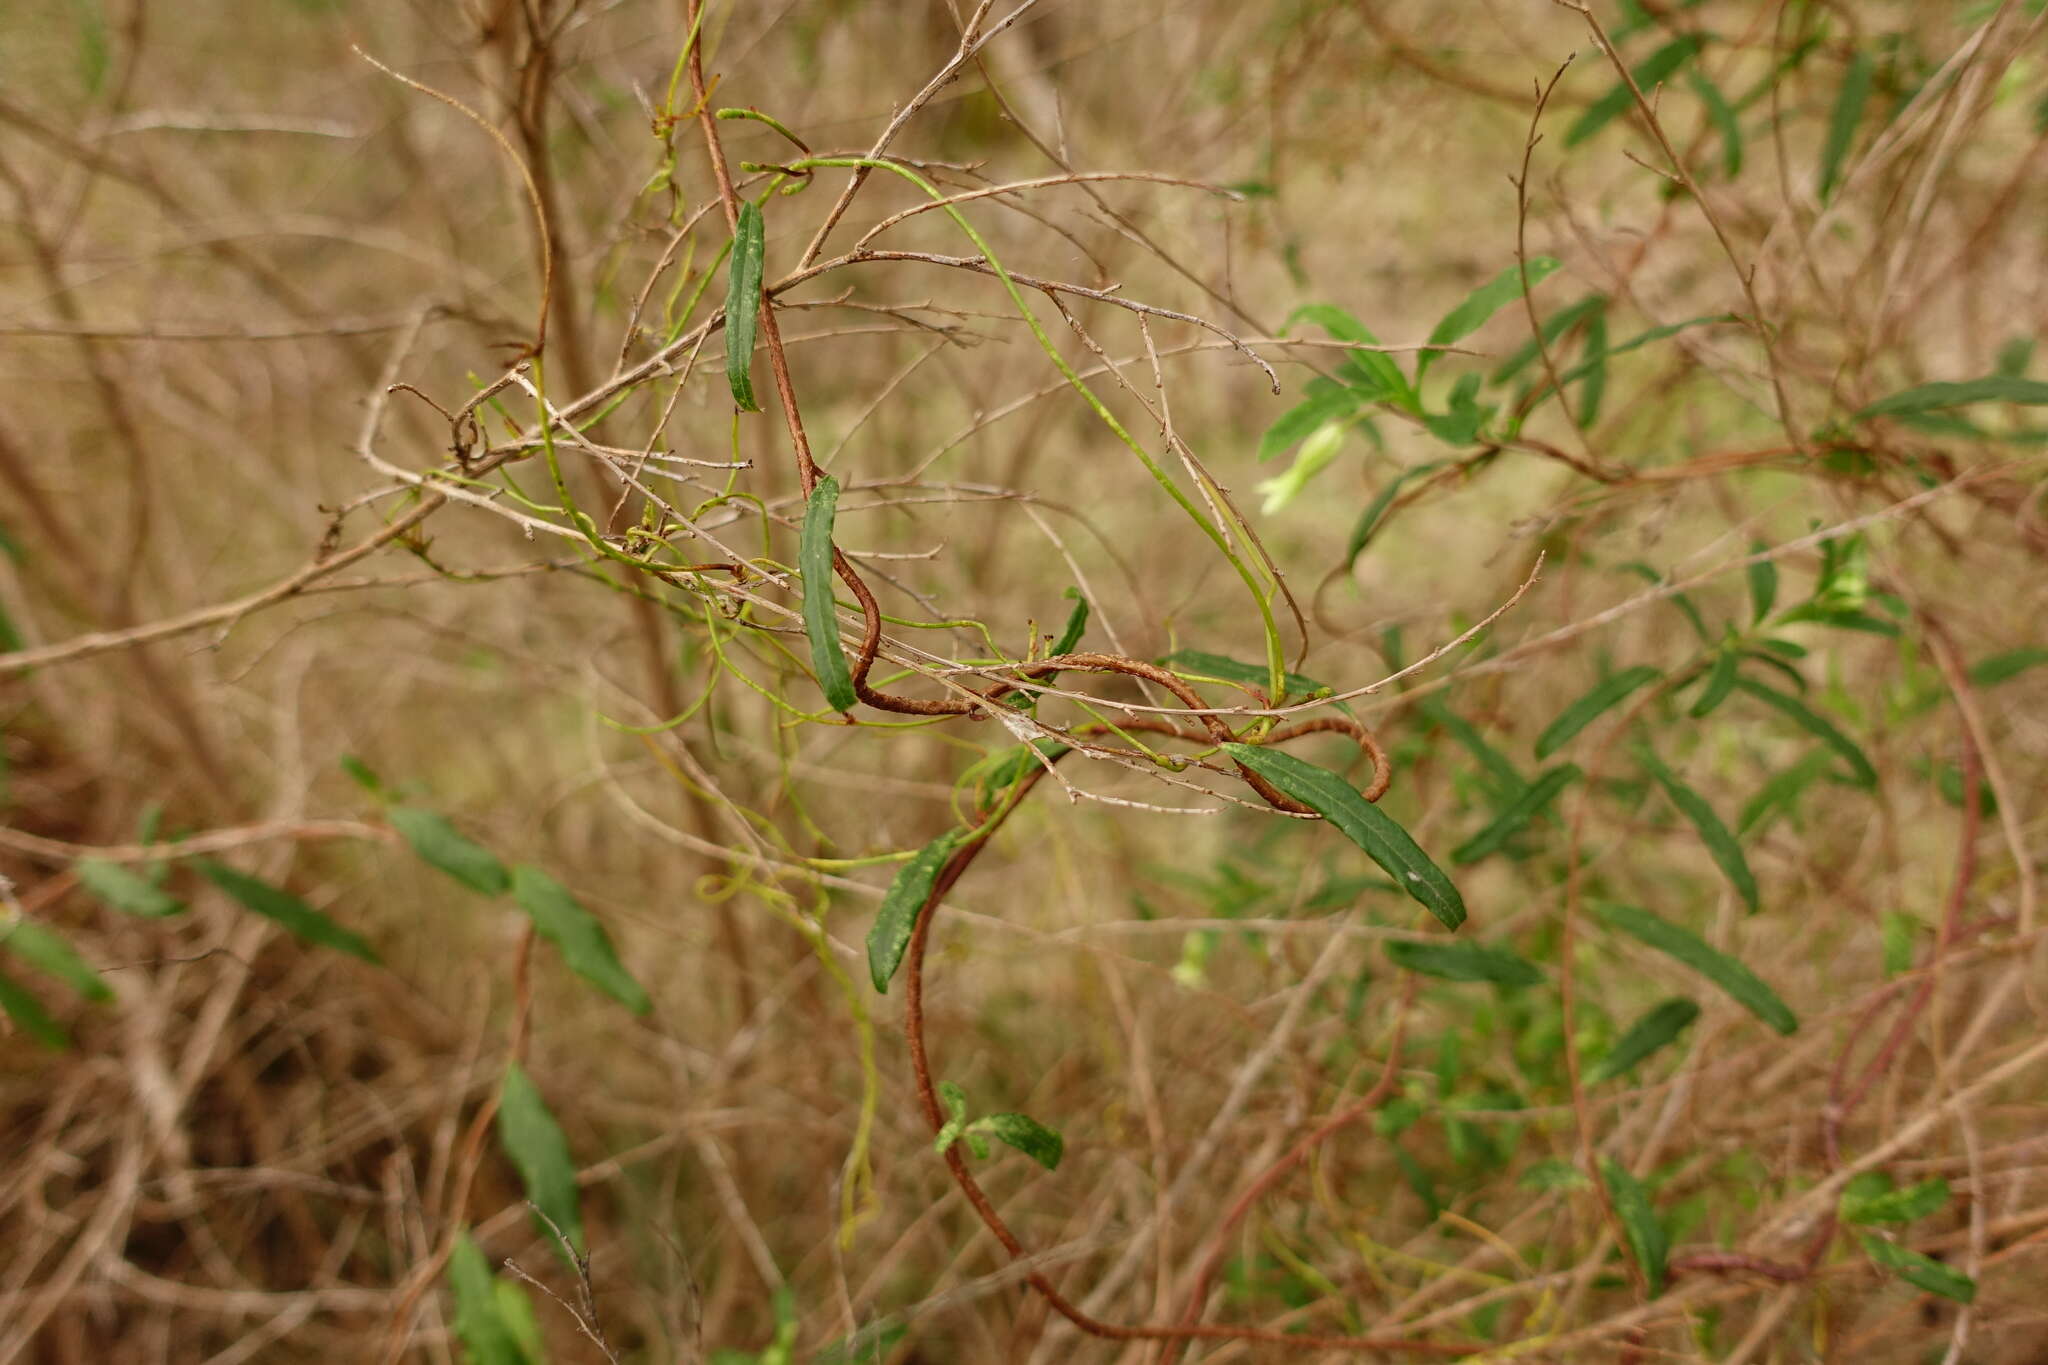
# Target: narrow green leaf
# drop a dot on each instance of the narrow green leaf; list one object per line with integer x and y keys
{"x": 1722, "y": 115}
{"x": 1365, "y": 824}
{"x": 1897, "y": 931}
{"x": 1647, "y": 1241}
{"x": 1027, "y": 1135}
{"x": 1860, "y": 770}
{"x": 1010, "y": 766}
{"x": 10, "y": 637}
{"x": 49, "y": 953}
{"x": 1505, "y": 775}
{"x": 1763, "y": 582}
{"x": 1077, "y": 622}
{"x": 441, "y": 845}
{"x": 1196, "y": 662}
{"x": 1464, "y": 962}
{"x": 93, "y": 48}
{"x": 821, "y": 614}
{"x": 534, "y": 1141}
{"x": 1482, "y": 303}
{"x": 1316, "y": 453}
{"x": 1922, "y": 1272}
{"x": 1553, "y": 1175}
{"x": 359, "y": 773}
{"x": 2004, "y": 667}
{"x": 1309, "y": 415}
{"x": 121, "y": 889}
{"x": 1583, "y": 712}
{"x": 1601, "y": 357}
{"x": 275, "y": 903}
{"x": 1842, "y": 123}
{"x": 1369, "y": 521}
{"x": 1877, "y": 1202}
{"x": 1594, "y": 368}
{"x": 1659, "y": 66}
{"x": 1658, "y": 1028}
{"x": 907, "y": 894}
{"x": 1997, "y": 388}
{"x": 29, "y": 1015}
{"x": 488, "y": 1335}
{"x": 1375, "y": 371}
{"x": 1721, "y": 845}
{"x": 1516, "y": 816}
{"x": 1554, "y": 326}
{"x": 1720, "y": 682}
{"x": 1782, "y": 792}
{"x": 743, "y": 305}
{"x": 1740, "y": 984}
{"x": 577, "y": 935}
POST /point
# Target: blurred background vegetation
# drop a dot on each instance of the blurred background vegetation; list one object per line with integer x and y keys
{"x": 1772, "y": 691}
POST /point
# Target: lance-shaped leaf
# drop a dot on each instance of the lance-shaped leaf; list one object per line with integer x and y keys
{"x": 577, "y": 935}
{"x": 1077, "y": 623}
{"x": 1027, "y": 1135}
{"x": 1325, "y": 403}
{"x": 1922, "y": 1272}
{"x": 1998, "y": 668}
{"x": 1720, "y": 682}
{"x": 1848, "y": 113}
{"x": 1482, "y": 303}
{"x": 1583, "y": 712}
{"x": 743, "y": 305}
{"x": 1373, "y": 374}
{"x": 275, "y": 903}
{"x": 1465, "y": 962}
{"x": 821, "y": 614}
{"x": 1658, "y": 1028}
{"x": 1598, "y": 356}
{"x": 1204, "y": 664}
{"x": 1659, "y": 66}
{"x": 1647, "y": 1240}
{"x": 534, "y": 1141}
{"x": 49, "y": 953}
{"x": 1554, "y": 326}
{"x": 1870, "y": 1198}
{"x": 907, "y": 895}
{"x": 29, "y": 1015}
{"x": 121, "y": 889}
{"x": 441, "y": 845}
{"x": 1683, "y": 946}
{"x": 1526, "y": 806}
{"x": 1860, "y": 770}
{"x": 1365, "y": 824}
{"x": 1721, "y": 845}
{"x": 1997, "y": 388}
{"x": 493, "y": 1317}
{"x": 1722, "y": 115}
{"x": 1763, "y": 582}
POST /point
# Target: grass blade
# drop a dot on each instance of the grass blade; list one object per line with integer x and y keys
{"x": 1526, "y": 806}
{"x": 534, "y": 1141}
{"x": 1860, "y": 769}
{"x": 1646, "y": 1238}
{"x": 1464, "y": 962}
{"x": 1683, "y": 946}
{"x": 439, "y": 843}
{"x": 121, "y": 889}
{"x": 1590, "y": 707}
{"x": 1659, "y": 1028}
{"x": 907, "y": 894}
{"x": 1721, "y": 845}
{"x": 1482, "y": 303}
{"x": 1365, "y": 824}
{"x": 1842, "y": 123}
{"x": 743, "y": 305}
{"x": 577, "y": 936}
{"x": 275, "y": 903}
{"x": 821, "y": 613}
